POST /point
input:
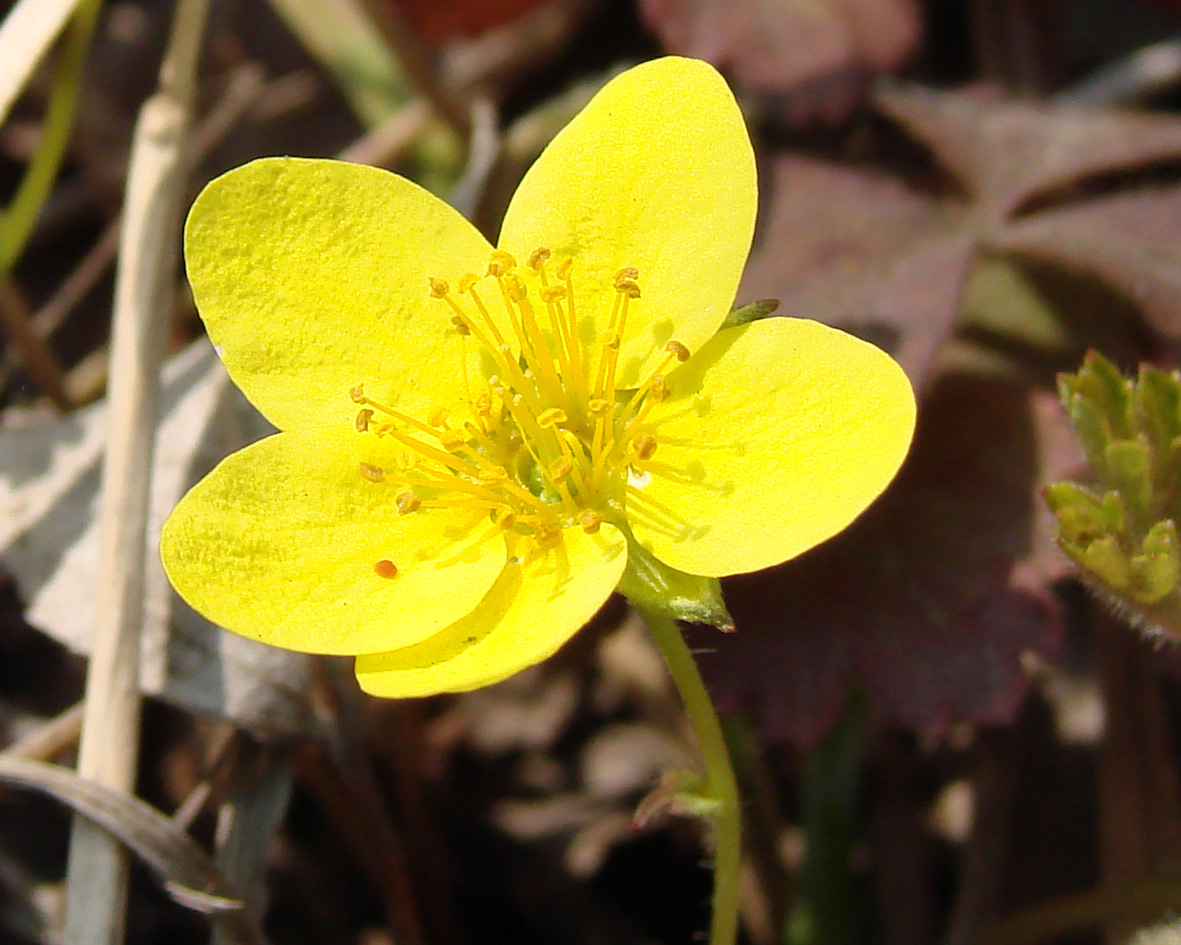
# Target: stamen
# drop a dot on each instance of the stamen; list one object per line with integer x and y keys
{"x": 547, "y": 532}
{"x": 628, "y": 287}
{"x": 363, "y": 418}
{"x": 560, "y": 468}
{"x": 533, "y": 345}
{"x": 438, "y": 416}
{"x": 552, "y": 418}
{"x": 590, "y": 521}
{"x": 643, "y": 446}
{"x": 407, "y": 502}
{"x": 371, "y": 472}
{"x": 538, "y": 257}
{"x": 385, "y": 568}
{"x": 501, "y": 263}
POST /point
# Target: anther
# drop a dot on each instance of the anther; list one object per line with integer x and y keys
{"x": 644, "y": 446}
{"x": 553, "y": 293}
{"x": 501, "y": 263}
{"x": 466, "y": 281}
{"x": 546, "y": 532}
{"x": 675, "y": 347}
{"x": 598, "y": 405}
{"x": 630, "y": 273}
{"x": 628, "y": 287}
{"x": 452, "y": 440}
{"x": 439, "y": 288}
{"x": 460, "y": 325}
{"x": 357, "y": 394}
{"x": 609, "y": 339}
{"x": 560, "y": 468}
{"x": 405, "y": 461}
{"x": 590, "y": 521}
{"x": 484, "y": 405}
{"x": 515, "y": 288}
{"x": 385, "y": 569}
{"x": 363, "y": 418}
{"x": 563, "y": 267}
{"x": 495, "y": 474}
{"x": 659, "y": 387}
{"x": 551, "y": 417}
{"x": 508, "y": 521}
{"x": 407, "y": 502}
{"x": 438, "y": 416}
{"x": 538, "y": 257}
{"x": 371, "y": 472}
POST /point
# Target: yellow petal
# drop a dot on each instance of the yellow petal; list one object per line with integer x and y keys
{"x": 535, "y": 607}
{"x": 656, "y": 172}
{"x": 280, "y": 541}
{"x": 311, "y": 277}
{"x": 775, "y": 437}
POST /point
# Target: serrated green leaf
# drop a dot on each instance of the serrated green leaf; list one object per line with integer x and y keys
{"x": 1129, "y": 470}
{"x": 1105, "y": 559}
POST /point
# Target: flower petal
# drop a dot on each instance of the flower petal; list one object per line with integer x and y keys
{"x": 311, "y": 277}
{"x": 280, "y": 541}
{"x": 775, "y": 437}
{"x": 657, "y": 172}
{"x": 532, "y": 609}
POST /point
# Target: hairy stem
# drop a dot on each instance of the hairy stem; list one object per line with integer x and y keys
{"x": 720, "y": 786}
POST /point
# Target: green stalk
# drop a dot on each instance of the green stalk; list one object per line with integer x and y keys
{"x": 17, "y": 222}
{"x": 830, "y": 907}
{"x": 720, "y": 786}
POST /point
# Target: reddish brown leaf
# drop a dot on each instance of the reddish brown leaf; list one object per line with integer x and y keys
{"x": 1007, "y": 152}
{"x": 436, "y": 20}
{"x": 1132, "y": 242}
{"x": 861, "y": 251}
{"x": 928, "y": 601}
{"x": 785, "y": 45}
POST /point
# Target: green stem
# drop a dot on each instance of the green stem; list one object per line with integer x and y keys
{"x": 720, "y": 785}
{"x": 18, "y": 220}
{"x": 829, "y": 907}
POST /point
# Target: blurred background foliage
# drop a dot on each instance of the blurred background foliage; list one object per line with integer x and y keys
{"x": 943, "y": 735}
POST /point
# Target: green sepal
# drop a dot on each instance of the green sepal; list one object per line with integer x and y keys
{"x": 751, "y": 312}
{"x": 1101, "y": 382}
{"x": 1157, "y": 399}
{"x": 1157, "y": 570}
{"x": 1088, "y": 422}
{"x": 650, "y": 583}
{"x": 1106, "y": 560}
{"x": 1082, "y": 515}
{"x": 1129, "y": 466}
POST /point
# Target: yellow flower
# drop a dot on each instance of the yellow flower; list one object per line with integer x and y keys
{"x": 472, "y": 438}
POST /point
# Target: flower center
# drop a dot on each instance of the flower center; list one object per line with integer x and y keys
{"x": 549, "y": 440}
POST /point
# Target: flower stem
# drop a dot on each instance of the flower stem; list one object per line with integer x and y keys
{"x": 720, "y": 785}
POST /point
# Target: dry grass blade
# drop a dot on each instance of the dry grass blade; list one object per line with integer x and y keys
{"x": 187, "y": 871}
{"x": 25, "y": 35}
{"x": 143, "y": 297}
{"x": 342, "y": 37}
